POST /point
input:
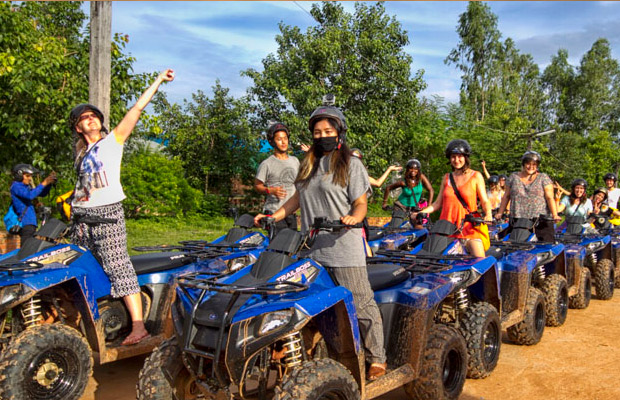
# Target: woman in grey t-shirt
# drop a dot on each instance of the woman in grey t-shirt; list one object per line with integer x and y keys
{"x": 333, "y": 184}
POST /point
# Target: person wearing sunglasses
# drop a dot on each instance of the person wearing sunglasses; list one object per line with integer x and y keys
{"x": 98, "y": 193}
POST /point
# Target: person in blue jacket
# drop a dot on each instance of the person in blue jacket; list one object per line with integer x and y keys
{"x": 22, "y": 195}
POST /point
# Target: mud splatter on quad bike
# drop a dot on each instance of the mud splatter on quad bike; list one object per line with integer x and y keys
{"x": 56, "y": 312}
{"x": 283, "y": 329}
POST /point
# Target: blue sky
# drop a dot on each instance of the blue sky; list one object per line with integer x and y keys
{"x": 204, "y": 41}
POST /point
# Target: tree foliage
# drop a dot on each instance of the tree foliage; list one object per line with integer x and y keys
{"x": 212, "y": 136}
{"x": 44, "y": 56}
{"x": 155, "y": 186}
{"x": 360, "y": 58}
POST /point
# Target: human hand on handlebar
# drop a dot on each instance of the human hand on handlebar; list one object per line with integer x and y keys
{"x": 349, "y": 220}
{"x": 258, "y": 218}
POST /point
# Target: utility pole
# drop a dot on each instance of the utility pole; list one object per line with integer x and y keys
{"x": 100, "y": 56}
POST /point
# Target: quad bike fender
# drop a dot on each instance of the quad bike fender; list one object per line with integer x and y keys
{"x": 605, "y": 251}
{"x": 486, "y": 288}
{"x": 555, "y": 258}
{"x": 423, "y": 292}
{"x": 336, "y": 323}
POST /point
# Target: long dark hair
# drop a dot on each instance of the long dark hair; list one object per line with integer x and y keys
{"x": 338, "y": 164}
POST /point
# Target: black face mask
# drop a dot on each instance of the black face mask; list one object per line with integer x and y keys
{"x": 325, "y": 145}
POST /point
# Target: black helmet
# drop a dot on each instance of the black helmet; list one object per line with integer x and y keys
{"x": 328, "y": 110}
{"x": 502, "y": 176}
{"x": 493, "y": 179}
{"x": 74, "y": 115}
{"x": 531, "y": 155}
{"x": 414, "y": 163}
{"x": 355, "y": 152}
{"x": 274, "y": 128}
{"x": 20, "y": 169}
{"x": 458, "y": 146}
{"x": 609, "y": 175}
{"x": 579, "y": 182}
{"x": 601, "y": 190}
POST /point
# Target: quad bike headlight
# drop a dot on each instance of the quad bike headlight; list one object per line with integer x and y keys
{"x": 274, "y": 320}
{"x": 541, "y": 258}
{"x": 594, "y": 245}
{"x": 460, "y": 277}
{"x": 235, "y": 264}
{"x": 9, "y": 295}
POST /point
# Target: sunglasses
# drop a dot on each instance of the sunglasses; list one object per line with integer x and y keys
{"x": 86, "y": 116}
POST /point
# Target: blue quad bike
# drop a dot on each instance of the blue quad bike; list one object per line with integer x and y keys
{"x": 559, "y": 273}
{"x": 284, "y": 329}
{"x": 398, "y": 234}
{"x": 598, "y": 252}
{"x": 56, "y": 311}
{"x": 494, "y": 293}
{"x": 602, "y": 224}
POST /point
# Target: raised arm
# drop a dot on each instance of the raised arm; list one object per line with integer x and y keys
{"x": 484, "y": 169}
{"x": 125, "y": 127}
{"x": 381, "y": 180}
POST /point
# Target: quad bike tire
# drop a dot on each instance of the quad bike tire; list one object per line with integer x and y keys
{"x": 604, "y": 279}
{"x": 152, "y": 384}
{"x": 617, "y": 275}
{"x": 319, "y": 379}
{"x": 443, "y": 367}
{"x": 481, "y": 328}
{"x": 582, "y": 299}
{"x": 530, "y": 330}
{"x": 51, "y": 362}
{"x": 555, "y": 290}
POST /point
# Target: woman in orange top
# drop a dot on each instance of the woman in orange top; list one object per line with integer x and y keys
{"x": 471, "y": 187}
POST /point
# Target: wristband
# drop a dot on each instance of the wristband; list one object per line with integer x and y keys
{"x": 267, "y": 189}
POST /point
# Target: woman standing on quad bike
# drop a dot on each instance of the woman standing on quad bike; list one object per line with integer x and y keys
{"x": 470, "y": 185}
{"x": 412, "y": 185}
{"x": 530, "y": 193}
{"x": 333, "y": 184}
{"x": 98, "y": 193}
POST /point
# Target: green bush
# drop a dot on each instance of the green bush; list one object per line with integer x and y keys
{"x": 156, "y": 186}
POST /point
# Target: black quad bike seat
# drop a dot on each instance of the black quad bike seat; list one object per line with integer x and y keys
{"x": 382, "y": 276}
{"x": 439, "y": 239}
{"x": 159, "y": 261}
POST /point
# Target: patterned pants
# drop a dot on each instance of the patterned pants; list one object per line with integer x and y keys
{"x": 108, "y": 243}
{"x": 356, "y": 280}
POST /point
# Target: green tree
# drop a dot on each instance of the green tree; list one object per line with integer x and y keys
{"x": 360, "y": 58}
{"x": 44, "y": 54}
{"x": 212, "y": 137}
{"x": 156, "y": 186}
{"x": 595, "y": 91}
{"x": 476, "y": 57}
{"x": 558, "y": 81}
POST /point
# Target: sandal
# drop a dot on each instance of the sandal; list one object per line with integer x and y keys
{"x": 135, "y": 340}
{"x": 376, "y": 370}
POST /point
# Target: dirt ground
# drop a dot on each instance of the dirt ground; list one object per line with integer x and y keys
{"x": 578, "y": 360}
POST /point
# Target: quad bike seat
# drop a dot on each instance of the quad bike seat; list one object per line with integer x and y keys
{"x": 382, "y": 276}
{"x": 521, "y": 229}
{"x": 398, "y": 217}
{"x": 159, "y": 261}
{"x": 439, "y": 239}
{"x": 574, "y": 225}
{"x": 209, "y": 313}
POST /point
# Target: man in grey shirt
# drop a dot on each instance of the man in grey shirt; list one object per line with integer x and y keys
{"x": 276, "y": 175}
